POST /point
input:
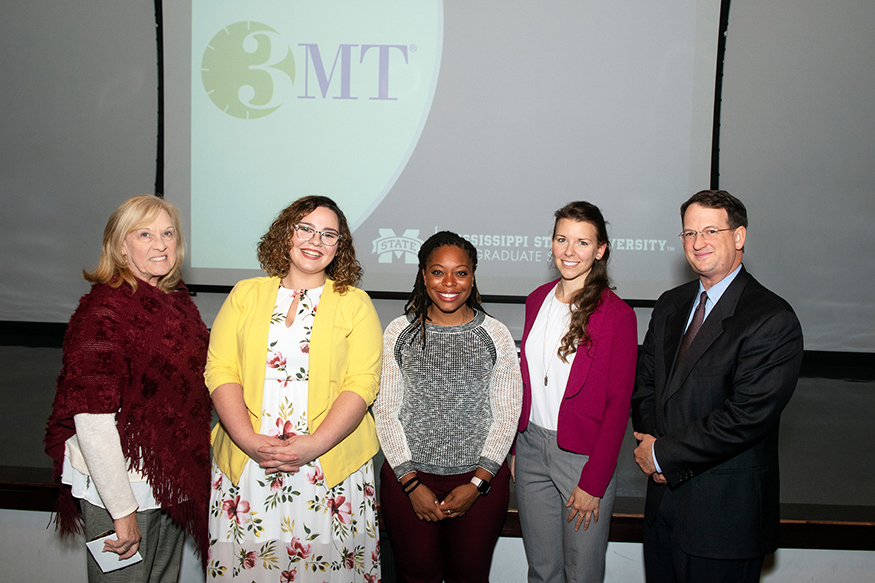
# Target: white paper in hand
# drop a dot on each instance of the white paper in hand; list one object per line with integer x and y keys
{"x": 109, "y": 561}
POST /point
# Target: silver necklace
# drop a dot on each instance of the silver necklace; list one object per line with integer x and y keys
{"x": 549, "y": 363}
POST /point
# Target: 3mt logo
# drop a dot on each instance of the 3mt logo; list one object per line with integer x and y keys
{"x": 242, "y": 67}
{"x": 248, "y": 68}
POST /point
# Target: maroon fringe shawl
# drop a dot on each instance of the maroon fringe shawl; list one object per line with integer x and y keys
{"x": 140, "y": 355}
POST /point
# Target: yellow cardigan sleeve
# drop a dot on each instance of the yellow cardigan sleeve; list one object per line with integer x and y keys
{"x": 345, "y": 355}
{"x": 239, "y": 334}
{"x": 238, "y": 348}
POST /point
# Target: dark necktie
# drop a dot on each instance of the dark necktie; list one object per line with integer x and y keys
{"x": 698, "y": 318}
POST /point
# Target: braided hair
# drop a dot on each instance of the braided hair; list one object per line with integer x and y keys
{"x": 419, "y": 301}
{"x": 585, "y": 301}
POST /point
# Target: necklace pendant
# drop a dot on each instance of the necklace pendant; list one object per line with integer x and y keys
{"x": 545, "y": 380}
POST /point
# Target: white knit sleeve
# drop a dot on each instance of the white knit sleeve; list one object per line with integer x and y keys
{"x": 102, "y": 449}
{"x": 505, "y": 393}
{"x": 387, "y": 406}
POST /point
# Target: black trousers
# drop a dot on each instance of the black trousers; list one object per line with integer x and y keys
{"x": 666, "y": 562}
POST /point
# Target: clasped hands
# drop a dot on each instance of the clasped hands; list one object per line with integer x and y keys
{"x": 644, "y": 457}
{"x": 458, "y": 502}
{"x": 283, "y": 454}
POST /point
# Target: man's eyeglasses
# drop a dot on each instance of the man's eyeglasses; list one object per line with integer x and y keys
{"x": 306, "y": 233}
{"x": 708, "y": 234}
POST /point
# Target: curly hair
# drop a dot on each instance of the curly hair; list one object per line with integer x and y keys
{"x": 419, "y": 301}
{"x": 273, "y": 249}
{"x": 585, "y": 301}
{"x": 135, "y": 213}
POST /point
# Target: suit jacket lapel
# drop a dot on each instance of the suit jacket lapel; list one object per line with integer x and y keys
{"x": 321, "y": 351}
{"x": 583, "y": 359}
{"x": 579, "y": 371}
{"x": 675, "y": 322}
{"x": 708, "y": 334}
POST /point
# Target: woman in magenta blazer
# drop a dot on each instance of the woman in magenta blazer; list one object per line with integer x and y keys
{"x": 578, "y": 365}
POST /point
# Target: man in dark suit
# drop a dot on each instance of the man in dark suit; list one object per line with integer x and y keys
{"x": 715, "y": 372}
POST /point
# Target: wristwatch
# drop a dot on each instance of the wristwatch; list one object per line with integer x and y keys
{"x": 482, "y": 485}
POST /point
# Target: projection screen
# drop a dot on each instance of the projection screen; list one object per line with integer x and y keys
{"x": 478, "y": 117}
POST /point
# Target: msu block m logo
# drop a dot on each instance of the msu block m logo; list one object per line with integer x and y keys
{"x": 407, "y": 245}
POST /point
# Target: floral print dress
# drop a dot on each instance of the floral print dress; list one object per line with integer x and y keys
{"x": 291, "y": 527}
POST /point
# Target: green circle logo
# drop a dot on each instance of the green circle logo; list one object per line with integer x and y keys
{"x": 296, "y": 98}
{"x": 242, "y": 67}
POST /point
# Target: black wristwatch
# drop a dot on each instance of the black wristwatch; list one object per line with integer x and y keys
{"x": 482, "y": 485}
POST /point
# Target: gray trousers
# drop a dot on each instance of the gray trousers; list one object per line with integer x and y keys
{"x": 545, "y": 478}
{"x": 161, "y": 547}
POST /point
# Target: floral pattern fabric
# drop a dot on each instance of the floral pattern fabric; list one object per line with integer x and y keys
{"x": 291, "y": 527}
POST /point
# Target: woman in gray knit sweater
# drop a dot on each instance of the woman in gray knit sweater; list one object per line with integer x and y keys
{"x": 446, "y": 414}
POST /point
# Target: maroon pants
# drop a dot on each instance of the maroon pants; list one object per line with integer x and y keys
{"x": 457, "y": 550}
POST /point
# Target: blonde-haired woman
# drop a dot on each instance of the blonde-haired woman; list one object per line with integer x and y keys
{"x": 293, "y": 480}
{"x": 129, "y": 430}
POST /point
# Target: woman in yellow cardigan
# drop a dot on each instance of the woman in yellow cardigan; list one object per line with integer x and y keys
{"x": 293, "y": 365}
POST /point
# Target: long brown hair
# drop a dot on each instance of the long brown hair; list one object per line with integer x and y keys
{"x": 136, "y": 212}
{"x": 585, "y": 301}
{"x": 273, "y": 249}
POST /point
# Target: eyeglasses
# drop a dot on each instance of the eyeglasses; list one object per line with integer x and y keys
{"x": 306, "y": 233}
{"x": 708, "y": 234}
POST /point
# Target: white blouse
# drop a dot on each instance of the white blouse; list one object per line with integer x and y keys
{"x": 548, "y": 375}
